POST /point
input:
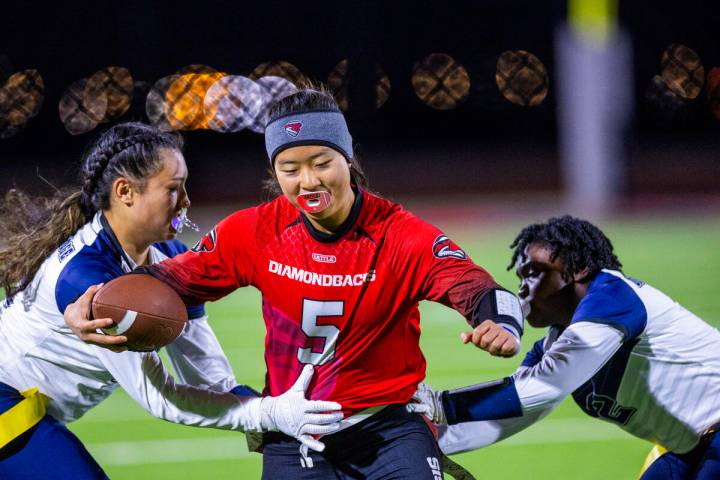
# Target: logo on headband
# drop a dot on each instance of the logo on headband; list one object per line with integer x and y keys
{"x": 293, "y": 128}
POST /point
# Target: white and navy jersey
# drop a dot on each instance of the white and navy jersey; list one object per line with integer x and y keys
{"x": 631, "y": 356}
{"x": 37, "y": 349}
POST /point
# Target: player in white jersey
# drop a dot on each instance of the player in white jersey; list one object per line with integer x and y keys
{"x": 130, "y": 208}
{"x": 626, "y": 352}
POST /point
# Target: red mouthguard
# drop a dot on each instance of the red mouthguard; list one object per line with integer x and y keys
{"x": 314, "y": 202}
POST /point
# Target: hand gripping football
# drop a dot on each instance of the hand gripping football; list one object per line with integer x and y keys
{"x": 144, "y": 309}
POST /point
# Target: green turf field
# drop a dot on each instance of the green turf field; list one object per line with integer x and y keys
{"x": 681, "y": 257}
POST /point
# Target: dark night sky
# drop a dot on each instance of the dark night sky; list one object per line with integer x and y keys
{"x": 67, "y": 41}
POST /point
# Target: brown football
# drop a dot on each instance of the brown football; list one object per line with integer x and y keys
{"x": 145, "y": 310}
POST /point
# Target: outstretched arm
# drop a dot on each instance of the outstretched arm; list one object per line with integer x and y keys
{"x": 464, "y": 437}
{"x": 486, "y": 413}
{"x": 221, "y": 262}
{"x": 198, "y": 359}
{"x": 144, "y": 378}
{"x": 437, "y": 269}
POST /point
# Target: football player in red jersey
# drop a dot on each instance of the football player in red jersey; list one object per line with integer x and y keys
{"x": 341, "y": 272}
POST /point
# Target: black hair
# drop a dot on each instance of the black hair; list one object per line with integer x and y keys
{"x": 32, "y": 228}
{"x": 577, "y": 242}
{"x": 126, "y": 150}
{"x": 306, "y": 100}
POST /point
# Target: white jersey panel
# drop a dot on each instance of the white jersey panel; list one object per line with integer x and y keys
{"x": 672, "y": 377}
{"x": 37, "y": 349}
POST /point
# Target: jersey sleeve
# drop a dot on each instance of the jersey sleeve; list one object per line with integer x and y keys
{"x": 219, "y": 263}
{"x": 611, "y": 301}
{"x": 578, "y": 353}
{"x": 80, "y": 273}
{"x": 199, "y": 360}
{"x": 145, "y": 379}
{"x": 438, "y": 269}
{"x": 535, "y": 354}
{"x": 464, "y": 437}
{"x": 171, "y": 249}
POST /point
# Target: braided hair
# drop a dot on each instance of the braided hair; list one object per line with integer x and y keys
{"x": 32, "y": 228}
{"x": 577, "y": 242}
{"x": 126, "y": 150}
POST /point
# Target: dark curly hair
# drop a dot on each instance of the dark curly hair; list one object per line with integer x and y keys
{"x": 32, "y": 228}
{"x": 577, "y": 242}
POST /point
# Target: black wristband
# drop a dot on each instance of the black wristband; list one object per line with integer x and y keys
{"x": 500, "y": 306}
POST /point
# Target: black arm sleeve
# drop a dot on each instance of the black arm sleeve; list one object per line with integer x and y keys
{"x": 500, "y": 306}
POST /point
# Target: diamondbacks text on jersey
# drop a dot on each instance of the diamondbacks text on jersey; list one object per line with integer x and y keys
{"x": 346, "y": 302}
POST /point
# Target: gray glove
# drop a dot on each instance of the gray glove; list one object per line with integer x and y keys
{"x": 428, "y": 402}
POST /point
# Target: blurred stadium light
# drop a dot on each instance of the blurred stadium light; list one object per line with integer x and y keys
{"x": 274, "y": 88}
{"x": 522, "y": 78}
{"x": 495, "y": 65}
{"x": 440, "y": 82}
{"x": 81, "y": 109}
{"x": 682, "y": 71}
{"x": 185, "y": 100}
{"x": 233, "y": 103}
{"x": 116, "y": 84}
{"x": 280, "y": 68}
{"x": 155, "y": 104}
{"x": 195, "y": 68}
{"x": 340, "y": 79}
{"x": 21, "y": 97}
{"x": 594, "y": 76}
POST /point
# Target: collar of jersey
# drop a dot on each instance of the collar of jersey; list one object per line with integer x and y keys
{"x": 344, "y": 228}
{"x": 115, "y": 243}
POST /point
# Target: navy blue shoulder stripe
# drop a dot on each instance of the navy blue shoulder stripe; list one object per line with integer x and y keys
{"x": 93, "y": 264}
{"x": 171, "y": 248}
{"x": 611, "y": 301}
{"x": 535, "y": 354}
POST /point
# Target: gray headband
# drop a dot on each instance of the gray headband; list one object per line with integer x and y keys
{"x": 319, "y": 127}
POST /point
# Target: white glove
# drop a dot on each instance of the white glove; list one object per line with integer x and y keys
{"x": 430, "y": 404}
{"x": 294, "y": 415}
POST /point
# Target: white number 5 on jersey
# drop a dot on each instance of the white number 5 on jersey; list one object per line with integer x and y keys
{"x": 312, "y": 310}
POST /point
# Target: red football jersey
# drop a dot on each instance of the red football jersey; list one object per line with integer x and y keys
{"x": 347, "y": 302}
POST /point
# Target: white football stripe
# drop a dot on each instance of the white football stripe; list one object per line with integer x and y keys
{"x": 124, "y": 325}
{"x": 126, "y": 322}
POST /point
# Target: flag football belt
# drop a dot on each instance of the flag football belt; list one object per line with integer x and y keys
{"x": 658, "y": 450}
{"x": 23, "y": 416}
{"x": 711, "y": 431}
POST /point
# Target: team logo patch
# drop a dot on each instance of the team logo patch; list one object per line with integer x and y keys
{"x": 443, "y": 247}
{"x": 206, "y": 243}
{"x": 293, "y": 128}
{"x": 319, "y": 257}
{"x": 65, "y": 249}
